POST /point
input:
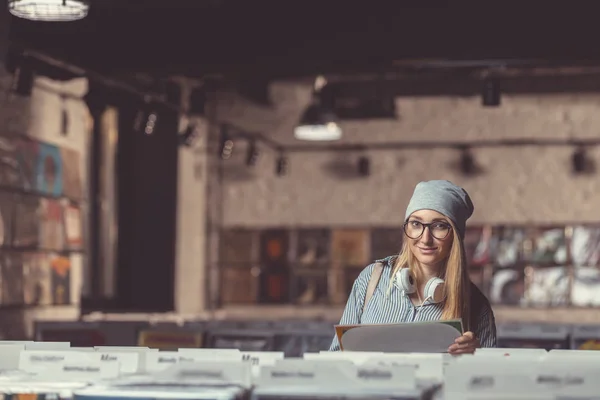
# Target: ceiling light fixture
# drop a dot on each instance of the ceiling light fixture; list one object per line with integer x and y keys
{"x": 318, "y": 122}
{"x": 49, "y": 10}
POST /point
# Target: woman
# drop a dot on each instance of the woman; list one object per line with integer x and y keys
{"x": 428, "y": 280}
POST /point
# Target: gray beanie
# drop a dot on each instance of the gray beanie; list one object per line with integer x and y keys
{"x": 444, "y": 197}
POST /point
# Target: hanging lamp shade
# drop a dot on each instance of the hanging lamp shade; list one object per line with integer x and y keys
{"x": 318, "y": 124}
{"x": 49, "y": 10}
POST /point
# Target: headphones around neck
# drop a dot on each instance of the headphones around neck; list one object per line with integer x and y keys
{"x": 434, "y": 288}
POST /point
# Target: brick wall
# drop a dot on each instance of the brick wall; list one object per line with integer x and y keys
{"x": 527, "y": 184}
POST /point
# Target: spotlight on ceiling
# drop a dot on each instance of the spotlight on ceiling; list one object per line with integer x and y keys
{"x": 490, "y": 95}
{"x": 252, "y": 155}
{"x": 582, "y": 164}
{"x": 49, "y": 10}
{"x": 364, "y": 166}
{"x": 281, "y": 166}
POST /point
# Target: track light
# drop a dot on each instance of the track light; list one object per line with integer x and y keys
{"x": 281, "y": 167}
{"x": 581, "y": 163}
{"x": 226, "y": 147}
{"x": 364, "y": 166}
{"x": 187, "y": 137}
{"x": 23, "y": 80}
{"x": 252, "y": 155}
{"x": 490, "y": 96}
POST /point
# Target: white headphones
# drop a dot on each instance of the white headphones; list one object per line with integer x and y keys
{"x": 434, "y": 288}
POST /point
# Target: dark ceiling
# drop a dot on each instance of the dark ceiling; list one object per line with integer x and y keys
{"x": 291, "y": 38}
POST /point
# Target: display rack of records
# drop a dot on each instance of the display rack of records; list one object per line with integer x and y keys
{"x": 41, "y": 226}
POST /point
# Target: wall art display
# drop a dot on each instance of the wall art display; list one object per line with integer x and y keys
{"x": 508, "y": 246}
{"x": 72, "y": 182}
{"x": 61, "y": 278}
{"x": 77, "y": 276}
{"x": 507, "y": 286}
{"x": 313, "y": 247}
{"x": 585, "y": 246}
{"x": 237, "y": 246}
{"x": 274, "y": 287}
{"x": 274, "y": 247}
{"x": 586, "y": 287}
{"x": 547, "y": 286}
{"x": 51, "y": 228}
{"x": 11, "y": 270}
{"x": 7, "y": 214}
{"x": 239, "y": 285}
{"x": 350, "y": 275}
{"x": 49, "y": 170}
{"x": 549, "y": 246}
{"x": 72, "y": 227}
{"x": 385, "y": 242}
{"x": 478, "y": 246}
{"x": 27, "y": 155}
{"x": 26, "y": 222}
{"x": 350, "y": 247}
{"x": 37, "y": 279}
{"x": 309, "y": 286}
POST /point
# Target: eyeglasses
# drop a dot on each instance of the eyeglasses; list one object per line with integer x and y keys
{"x": 414, "y": 229}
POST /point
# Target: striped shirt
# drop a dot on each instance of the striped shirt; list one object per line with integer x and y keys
{"x": 396, "y": 307}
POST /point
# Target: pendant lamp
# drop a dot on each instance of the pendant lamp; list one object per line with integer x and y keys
{"x": 49, "y": 10}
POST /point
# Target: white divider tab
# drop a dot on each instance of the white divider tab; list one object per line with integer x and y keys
{"x": 336, "y": 373}
{"x": 193, "y": 355}
{"x": 10, "y": 355}
{"x": 127, "y": 362}
{"x": 511, "y": 352}
{"x": 427, "y": 366}
{"x": 494, "y": 377}
{"x": 36, "y": 360}
{"x": 570, "y": 378}
{"x": 224, "y": 372}
{"x": 262, "y": 357}
{"x": 357, "y": 357}
{"x": 78, "y": 371}
{"x": 47, "y": 345}
{"x": 161, "y": 360}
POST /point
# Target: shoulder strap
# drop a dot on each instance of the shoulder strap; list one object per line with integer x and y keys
{"x": 373, "y": 281}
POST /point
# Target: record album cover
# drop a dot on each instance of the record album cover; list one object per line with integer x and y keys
{"x": 244, "y": 341}
{"x": 385, "y": 242}
{"x": 547, "y": 286}
{"x": 313, "y": 247}
{"x": 274, "y": 247}
{"x": 7, "y": 215}
{"x": 350, "y": 247}
{"x": 37, "y": 279}
{"x": 507, "y": 286}
{"x": 508, "y": 246}
{"x": 549, "y": 246}
{"x": 237, "y": 246}
{"x": 27, "y": 155}
{"x": 239, "y": 285}
{"x": 61, "y": 279}
{"x": 51, "y": 228}
{"x": 72, "y": 182}
{"x": 309, "y": 286}
{"x": 586, "y": 287}
{"x": 274, "y": 287}
{"x": 478, "y": 245}
{"x": 9, "y": 165}
{"x": 27, "y": 222}
{"x": 585, "y": 246}
{"x": 72, "y": 227}
{"x": 12, "y": 278}
{"x": 49, "y": 170}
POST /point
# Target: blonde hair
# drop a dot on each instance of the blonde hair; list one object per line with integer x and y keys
{"x": 457, "y": 283}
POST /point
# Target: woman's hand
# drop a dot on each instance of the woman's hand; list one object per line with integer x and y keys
{"x": 466, "y": 344}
